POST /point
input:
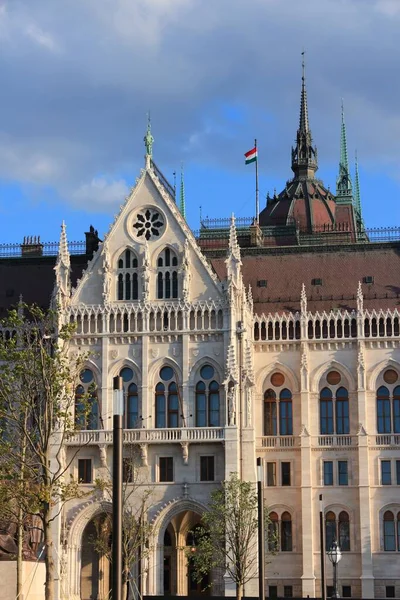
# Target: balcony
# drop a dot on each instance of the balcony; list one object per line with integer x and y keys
{"x": 146, "y": 436}
{"x": 387, "y": 439}
{"x": 336, "y": 441}
{"x": 278, "y": 441}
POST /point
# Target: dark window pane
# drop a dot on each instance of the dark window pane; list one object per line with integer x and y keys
{"x": 346, "y": 591}
{"x": 166, "y": 468}
{"x": 85, "y": 470}
{"x": 201, "y": 414}
{"x": 166, "y": 373}
{"x": 328, "y": 472}
{"x": 344, "y": 532}
{"x": 285, "y": 417}
{"x": 343, "y": 477}
{"x": 386, "y": 475}
{"x": 206, "y": 468}
{"x": 288, "y": 591}
{"x": 396, "y": 415}
{"x": 174, "y": 284}
{"x": 342, "y": 416}
{"x": 127, "y": 374}
{"x": 390, "y": 591}
{"x": 286, "y": 534}
{"x": 160, "y": 410}
{"x": 271, "y": 474}
{"x": 207, "y": 372}
{"x": 398, "y": 472}
{"x": 285, "y": 473}
{"x": 273, "y": 591}
{"x": 389, "y": 536}
{"x": 326, "y": 416}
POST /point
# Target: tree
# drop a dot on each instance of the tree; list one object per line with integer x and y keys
{"x": 227, "y": 535}
{"x": 38, "y": 378}
{"x": 136, "y": 529}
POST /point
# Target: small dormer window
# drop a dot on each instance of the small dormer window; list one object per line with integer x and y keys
{"x": 127, "y": 277}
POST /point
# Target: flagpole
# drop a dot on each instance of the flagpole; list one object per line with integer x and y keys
{"x": 257, "y": 201}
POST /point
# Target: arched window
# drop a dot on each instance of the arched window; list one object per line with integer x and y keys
{"x": 207, "y": 398}
{"x": 270, "y": 424}
{"x": 285, "y": 413}
{"x": 131, "y": 398}
{"x": 273, "y": 532}
{"x": 167, "y": 538}
{"x": 334, "y": 411}
{"x": 86, "y": 403}
{"x": 278, "y": 409}
{"x": 389, "y": 532}
{"x": 337, "y": 530}
{"x": 167, "y": 274}
{"x": 286, "y": 532}
{"x": 167, "y": 399}
{"x": 388, "y": 404}
{"x": 127, "y": 276}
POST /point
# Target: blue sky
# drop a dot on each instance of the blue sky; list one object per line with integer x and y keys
{"x": 78, "y": 78}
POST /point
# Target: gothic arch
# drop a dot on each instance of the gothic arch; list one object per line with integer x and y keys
{"x": 173, "y": 508}
{"x": 324, "y": 368}
{"x": 82, "y": 517}
{"x": 125, "y": 362}
{"x": 205, "y": 360}
{"x": 277, "y": 366}
{"x": 378, "y": 369}
{"x": 165, "y": 361}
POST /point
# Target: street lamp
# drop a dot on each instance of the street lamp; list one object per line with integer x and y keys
{"x": 334, "y": 555}
{"x": 261, "y": 534}
{"x": 118, "y": 410}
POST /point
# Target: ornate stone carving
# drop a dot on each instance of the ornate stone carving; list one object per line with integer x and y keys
{"x": 249, "y": 404}
{"x": 232, "y": 405}
{"x": 107, "y": 277}
{"x": 304, "y": 431}
{"x": 185, "y": 452}
{"x": 143, "y": 455}
{"x": 103, "y": 455}
{"x": 186, "y": 275}
{"x": 360, "y": 298}
{"x": 146, "y": 269}
{"x": 113, "y": 354}
{"x": 155, "y": 352}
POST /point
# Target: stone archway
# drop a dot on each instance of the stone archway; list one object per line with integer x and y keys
{"x": 95, "y": 564}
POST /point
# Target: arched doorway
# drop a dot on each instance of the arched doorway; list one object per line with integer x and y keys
{"x": 177, "y": 542}
{"x": 95, "y": 564}
{"x": 195, "y": 587}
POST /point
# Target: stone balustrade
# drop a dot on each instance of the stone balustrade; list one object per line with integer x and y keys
{"x": 141, "y": 436}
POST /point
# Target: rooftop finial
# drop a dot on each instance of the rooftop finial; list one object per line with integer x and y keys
{"x": 304, "y": 155}
{"x": 182, "y": 207}
{"x": 148, "y": 141}
{"x": 304, "y": 124}
{"x": 343, "y": 183}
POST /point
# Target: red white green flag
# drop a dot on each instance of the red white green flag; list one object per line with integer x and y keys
{"x": 251, "y": 156}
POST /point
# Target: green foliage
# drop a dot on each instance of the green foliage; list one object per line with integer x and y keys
{"x": 227, "y": 535}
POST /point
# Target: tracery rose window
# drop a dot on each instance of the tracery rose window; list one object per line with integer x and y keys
{"x": 149, "y": 223}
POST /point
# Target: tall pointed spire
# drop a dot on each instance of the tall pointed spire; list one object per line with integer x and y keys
{"x": 357, "y": 198}
{"x": 344, "y": 190}
{"x": 62, "y": 287}
{"x": 148, "y": 142}
{"x": 304, "y": 125}
{"x": 63, "y": 257}
{"x": 304, "y": 155}
{"x": 182, "y": 207}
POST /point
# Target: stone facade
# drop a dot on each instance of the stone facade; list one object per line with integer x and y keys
{"x": 297, "y": 389}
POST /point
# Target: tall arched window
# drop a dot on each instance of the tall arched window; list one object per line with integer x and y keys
{"x": 131, "y": 398}
{"x": 273, "y": 532}
{"x": 337, "y": 529}
{"x": 270, "y": 423}
{"x": 167, "y": 274}
{"x": 271, "y": 410}
{"x": 207, "y": 398}
{"x": 86, "y": 403}
{"x": 334, "y": 411}
{"x": 286, "y": 532}
{"x": 127, "y": 276}
{"x": 167, "y": 400}
{"x": 388, "y": 404}
{"x": 389, "y": 532}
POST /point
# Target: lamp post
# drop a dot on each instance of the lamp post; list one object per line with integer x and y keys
{"x": 118, "y": 410}
{"x": 261, "y": 535}
{"x": 334, "y": 555}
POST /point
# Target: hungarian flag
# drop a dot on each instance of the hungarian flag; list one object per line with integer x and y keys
{"x": 251, "y": 156}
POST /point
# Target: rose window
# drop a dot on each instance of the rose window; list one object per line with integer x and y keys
{"x": 149, "y": 224}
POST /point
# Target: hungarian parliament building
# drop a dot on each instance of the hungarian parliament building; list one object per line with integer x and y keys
{"x": 274, "y": 337}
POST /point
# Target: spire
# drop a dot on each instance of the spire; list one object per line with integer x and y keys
{"x": 304, "y": 155}
{"x": 63, "y": 257}
{"x": 62, "y": 270}
{"x": 182, "y": 208}
{"x": 234, "y": 249}
{"x": 233, "y": 261}
{"x": 357, "y": 198}
{"x": 304, "y": 125}
{"x": 148, "y": 142}
{"x": 343, "y": 184}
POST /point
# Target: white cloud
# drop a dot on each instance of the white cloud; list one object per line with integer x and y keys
{"x": 101, "y": 193}
{"x": 41, "y": 37}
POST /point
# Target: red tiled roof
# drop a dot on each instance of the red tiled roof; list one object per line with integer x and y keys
{"x": 339, "y": 269}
